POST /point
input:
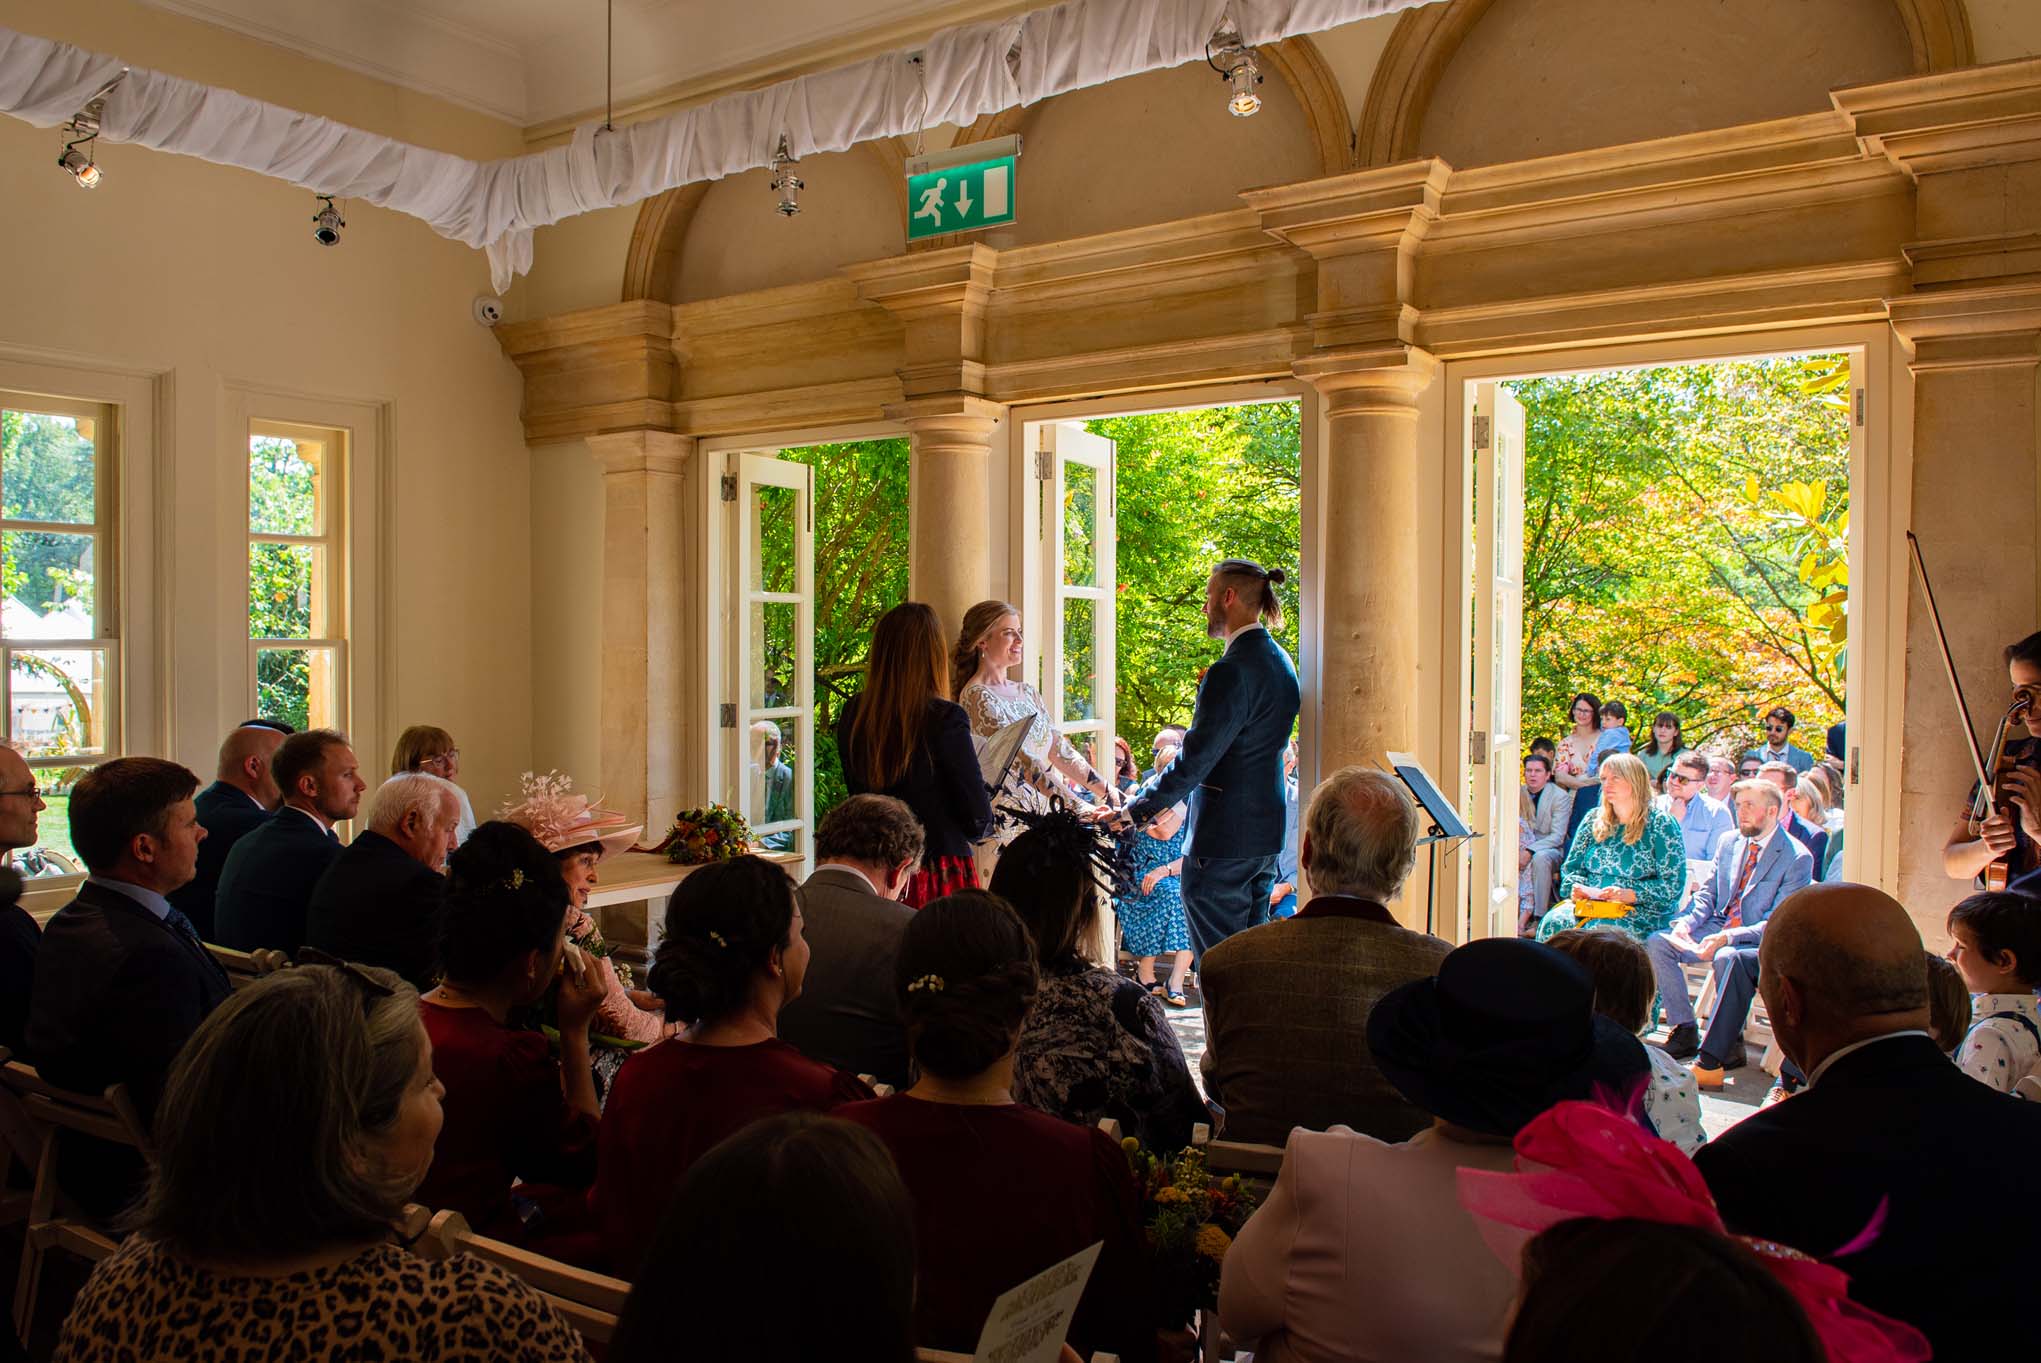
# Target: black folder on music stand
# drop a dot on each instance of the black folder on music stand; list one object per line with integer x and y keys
{"x": 1446, "y": 824}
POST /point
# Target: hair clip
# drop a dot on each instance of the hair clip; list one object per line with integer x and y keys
{"x": 717, "y": 938}
{"x": 932, "y": 983}
{"x": 515, "y": 880}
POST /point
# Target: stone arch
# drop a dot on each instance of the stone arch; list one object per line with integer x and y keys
{"x": 1426, "y": 40}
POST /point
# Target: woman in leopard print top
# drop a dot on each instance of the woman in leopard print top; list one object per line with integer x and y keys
{"x": 297, "y": 1121}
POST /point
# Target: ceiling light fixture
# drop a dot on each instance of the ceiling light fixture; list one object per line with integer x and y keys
{"x": 785, "y": 183}
{"x": 327, "y": 222}
{"x": 82, "y": 132}
{"x": 1235, "y": 60}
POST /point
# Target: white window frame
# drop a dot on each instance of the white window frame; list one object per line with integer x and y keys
{"x": 331, "y": 562}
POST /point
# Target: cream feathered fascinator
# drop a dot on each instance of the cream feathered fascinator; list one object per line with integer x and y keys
{"x": 560, "y": 819}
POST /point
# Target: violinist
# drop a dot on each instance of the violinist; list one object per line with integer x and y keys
{"x": 2013, "y": 831}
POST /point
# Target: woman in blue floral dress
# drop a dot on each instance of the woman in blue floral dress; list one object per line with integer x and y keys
{"x": 1629, "y": 856}
{"x": 1152, "y": 918}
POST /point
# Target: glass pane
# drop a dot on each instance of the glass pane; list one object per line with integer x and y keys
{"x": 773, "y": 510}
{"x": 1080, "y": 525}
{"x": 52, "y": 854}
{"x": 48, "y": 465}
{"x": 772, "y": 654}
{"x": 59, "y": 701}
{"x": 48, "y": 582}
{"x": 1080, "y": 661}
{"x": 297, "y": 685}
{"x": 282, "y": 600}
{"x": 770, "y": 780}
{"x": 283, "y": 486}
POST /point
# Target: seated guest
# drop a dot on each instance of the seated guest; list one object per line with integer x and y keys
{"x": 1623, "y": 993}
{"x": 1363, "y": 1250}
{"x": 1097, "y": 1044}
{"x": 965, "y": 979}
{"x": 1721, "y": 776}
{"x": 296, "y": 1125}
{"x": 732, "y": 957}
{"x": 1998, "y": 953}
{"x": 430, "y": 749}
{"x": 266, "y": 884}
{"x": 1754, "y": 869}
{"x": 1702, "y": 818}
{"x": 513, "y": 1111}
{"x": 581, "y": 836}
{"x": 820, "y": 1200}
{"x": 1888, "y": 1137}
{"x": 20, "y": 803}
{"x": 242, "y": 796}
{"x": 1667, "y": 742}
{"x": 1948, "y": 1004}
{"x": 1778, "y": 731}
{"x": 1629, "y": 856}
{"x": 1284, "y": 1001}
{"x": 1546, "y": 810}
{"x": 379, "y": 902}
{"x": 866, "y": 851}
{"x": 1809, "y": 835}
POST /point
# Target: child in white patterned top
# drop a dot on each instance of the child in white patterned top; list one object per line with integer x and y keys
{"x": 1998, "y": 950}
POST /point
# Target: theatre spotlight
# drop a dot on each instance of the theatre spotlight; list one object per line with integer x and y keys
{"x": 1235, "y": 61}
{"x": 785, "y": 183}
{"x": 82, "y": 132}
{"x": 81, "y": 165}
{"x": 327, "y": 222}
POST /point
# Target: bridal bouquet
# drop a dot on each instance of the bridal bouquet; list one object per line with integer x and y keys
{"x": 1189, "y": 1219}
{"x": 705, "y": 835}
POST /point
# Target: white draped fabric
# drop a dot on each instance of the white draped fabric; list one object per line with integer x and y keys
{"x": 969, "y": 70}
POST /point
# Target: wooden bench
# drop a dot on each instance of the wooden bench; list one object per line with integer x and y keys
{"x": 590, "y": 1301}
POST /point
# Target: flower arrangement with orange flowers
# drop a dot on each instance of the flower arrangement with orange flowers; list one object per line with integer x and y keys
{"x": 698, "y": 836}
{"x": 1189, "y": 1219}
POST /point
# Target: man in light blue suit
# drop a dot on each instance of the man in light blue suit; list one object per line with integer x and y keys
{"x": 1756, "y": 865}
{"x": 1231, "y": 766}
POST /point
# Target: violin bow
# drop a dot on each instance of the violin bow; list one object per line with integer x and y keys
{"x": 1920, "y": 569}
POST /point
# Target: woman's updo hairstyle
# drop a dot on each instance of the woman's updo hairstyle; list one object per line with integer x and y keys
{"x": 966, "y": 978}
{"x": 505, "y": 898}
{"x": 722, "y": 926}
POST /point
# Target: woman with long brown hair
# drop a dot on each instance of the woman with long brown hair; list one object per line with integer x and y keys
{"x": 903, "y": 736}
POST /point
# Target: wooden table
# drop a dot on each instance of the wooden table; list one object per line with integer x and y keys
{"x": 630, "y": 879}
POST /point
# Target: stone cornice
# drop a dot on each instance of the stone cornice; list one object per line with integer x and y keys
{"x": 1953, "y": 120}
{"x": 1978, "y": 326}
{"x": 1363, "y": 210}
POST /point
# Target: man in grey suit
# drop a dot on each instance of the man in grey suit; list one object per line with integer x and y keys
{"x": 847, "y": 1014}
{"x": 1756, "y": 866}
{"x": 1287, "y": 1003}
{"x": 1541, "y": 846}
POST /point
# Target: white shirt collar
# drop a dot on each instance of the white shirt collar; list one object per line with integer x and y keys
{"x": 850, "y": 870}
{"x": 1834, "y": 1056}
{"x": 317, "y": 821}
{"x": 1766, "y": 840}
{"x": 1241, "y": 633}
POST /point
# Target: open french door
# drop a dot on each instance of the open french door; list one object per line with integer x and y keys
{"x": 1074, "y": 473}
{"x": 1497, "y": 431}
{"x": 769, "y": 728}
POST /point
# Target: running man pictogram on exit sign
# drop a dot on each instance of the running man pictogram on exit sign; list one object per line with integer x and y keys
{"x": 977, "y": 190}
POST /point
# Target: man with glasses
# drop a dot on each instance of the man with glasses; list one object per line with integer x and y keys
{"x": 1778, "y": 730}
{"x": 1544, "y": 808}
{"x": 1702, "y": 818}
{"x": 1721, "y": 776}
{"x": 20, "y": 802}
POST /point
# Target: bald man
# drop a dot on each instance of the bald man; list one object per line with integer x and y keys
{"x": 1886, "y": 1123}
{"x": 242, "y": 796}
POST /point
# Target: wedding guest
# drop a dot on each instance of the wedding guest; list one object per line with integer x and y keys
{"x": 1630, "y": 856}
{"x": 2012, "y": 833}
{"x": 817, "y": 1198}
{"x": 1283, "y": 898}
{"x": 1573, "y": 764}
{"x": 1615, "y": 732}
{"x": 1097, "y": 1044}
{"x": 1126, "y": 772}
{"x": 903, "y": 736}
{"x": 1721, "y": 776}
{"x": 1667, "y": 743}
{"x": 1948, "y": 1004}
{"x": 296, "y": 1126}
{"x": 1545, "y": 810}
{"x": 243, "y": 795}
{"x": 1809, "y": 835}
{"x": 581, "y": 836}
{"x": 430, "y": 749}
{"x": 266, "y": 884}
{"x": 20, "y": 803}
{"x": 1363, "y": 1250}
{"x": 965, "y": 979}
{"x": 846, "y": 1014}
{"x": 1778, "y": 745}
{"x": 379, "y": 902}
{"x": 1888, "y": 1136}
{"x": 1998, "y": 952}
{"x": 1283, "y": 1001}
{"x": 1152, "y": 916}
{"x": 1702, "y": 818}
{"x": 732, "y": 957}
{"x": 514, "y": 1113}
{"x": 1623, "y": 994}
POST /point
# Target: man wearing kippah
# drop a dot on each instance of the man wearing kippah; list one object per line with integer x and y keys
{"x": 1231, "y": 765}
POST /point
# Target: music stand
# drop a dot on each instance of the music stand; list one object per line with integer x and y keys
{"x": 997, "y": 753}
{"x": 1446, "y": 824}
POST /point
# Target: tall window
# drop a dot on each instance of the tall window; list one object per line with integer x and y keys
{"x": 296, "y": 573}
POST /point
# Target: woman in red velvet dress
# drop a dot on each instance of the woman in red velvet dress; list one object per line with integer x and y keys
{"x": 513, "y": 1110}
{"x": 732, "y": 957}
{"x": 1001, "y": 1191}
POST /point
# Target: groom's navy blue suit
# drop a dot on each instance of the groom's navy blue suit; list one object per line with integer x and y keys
{"x": 1231, "y": 768}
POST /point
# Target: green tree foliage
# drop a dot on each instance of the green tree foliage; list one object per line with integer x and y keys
{"x": 47, "y": 473}
{"x": 283, "y": 499}
{"x": 1685, "y": 545}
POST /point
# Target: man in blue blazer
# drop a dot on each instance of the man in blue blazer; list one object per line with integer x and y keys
{"x": 1231, "y": 766}
{"x": 1756, "y": 866}
{"x": 242, "y": 796}
{"x": 266, "y": 886}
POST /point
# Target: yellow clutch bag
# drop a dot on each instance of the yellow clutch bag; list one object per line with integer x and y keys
{"x": 1598, "y": 908}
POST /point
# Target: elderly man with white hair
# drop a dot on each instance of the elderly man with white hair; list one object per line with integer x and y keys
{"x": 379, "y": 902}
{"x": 1286, "y": 1003}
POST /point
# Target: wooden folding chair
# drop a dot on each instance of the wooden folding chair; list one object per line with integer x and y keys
{"x": 51, "y": 1222}
{"x": 244, "y": 967}
{"x": 589, "y": 1301}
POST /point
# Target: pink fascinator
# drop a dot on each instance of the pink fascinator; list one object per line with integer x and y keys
{"x": 1585, "y": 1160}
{"x": 560, "y": 819}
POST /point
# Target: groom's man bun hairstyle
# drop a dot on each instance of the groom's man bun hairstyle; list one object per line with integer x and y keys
{"x": 1255, "y": 583}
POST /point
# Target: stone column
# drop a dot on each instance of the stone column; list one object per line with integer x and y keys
{"x": 1368, "y": 566}
{"x": 949, "y": 502}
{"x": 651, "y": 693}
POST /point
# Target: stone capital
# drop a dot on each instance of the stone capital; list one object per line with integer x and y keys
{"x": 641, "y": 451}
{"x": 1377, "y": 381}
{"x": 606, "y": 368}
{"x": 940, "y": 298}
{"x": 1991, "y": 324}
{"x": 950, "y": 421}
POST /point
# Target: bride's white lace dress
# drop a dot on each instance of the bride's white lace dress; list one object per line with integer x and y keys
{"x": 992, "y": 709}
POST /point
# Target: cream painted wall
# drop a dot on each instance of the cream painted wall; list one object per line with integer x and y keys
{"x": 2004, "y": 29}
{"x": 209, "y": 276}
{"x": 566, "y": 611}
{"x": 576, "y": 263}
{"x": 737, "y": 242}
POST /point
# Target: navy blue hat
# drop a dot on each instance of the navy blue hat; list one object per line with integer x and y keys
{"x": 1838, "y": 738}
{"x": 1506, "y": 1029}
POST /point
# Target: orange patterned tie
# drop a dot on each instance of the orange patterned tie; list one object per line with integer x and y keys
{"x": 1750, "y": 863}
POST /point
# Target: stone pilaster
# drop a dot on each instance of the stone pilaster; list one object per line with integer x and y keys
{"x": 949, "y": 502}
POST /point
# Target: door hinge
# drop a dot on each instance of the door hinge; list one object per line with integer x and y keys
{"x": 729, "y": 714}
{"x": 1477, "y": 747}
{"x": 1481, "y": 424}
{"x": 1860, "y": 406}
{"x": 729, "y": 487}
{"x": 1856, "y": 766}
{"x": 1045, "y": 465}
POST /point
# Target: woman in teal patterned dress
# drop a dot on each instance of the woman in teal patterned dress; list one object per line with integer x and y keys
{"x": 1628, "y": 854}
{"x": 1152, "y": 919}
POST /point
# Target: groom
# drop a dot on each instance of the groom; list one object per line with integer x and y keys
{"x": 1231, "y": 766}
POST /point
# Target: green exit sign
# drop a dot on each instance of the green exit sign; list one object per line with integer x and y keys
{"x": 977, "y": 190}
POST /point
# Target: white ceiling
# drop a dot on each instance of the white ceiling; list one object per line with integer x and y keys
{"x": 533, "y": 62}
